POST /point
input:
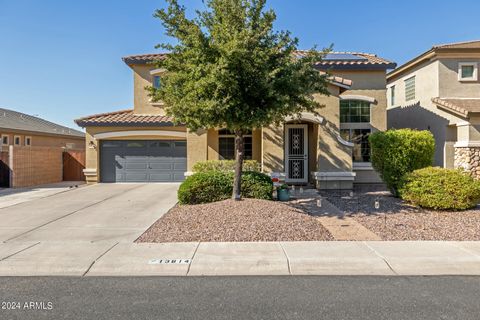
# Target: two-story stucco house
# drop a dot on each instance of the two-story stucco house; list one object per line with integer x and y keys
{"x": 329, "y": 151}
{"x": 440, "y": 91}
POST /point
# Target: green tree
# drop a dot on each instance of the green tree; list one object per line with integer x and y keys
{"x": 228, "y": 68}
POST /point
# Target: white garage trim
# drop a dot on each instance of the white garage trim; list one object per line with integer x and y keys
{"x": 139, "y": 133}
{"x": 357, "y": 97}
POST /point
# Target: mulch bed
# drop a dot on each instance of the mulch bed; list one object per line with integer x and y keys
{"x": 396, "y": 220}
{"x": 246, "y": 220}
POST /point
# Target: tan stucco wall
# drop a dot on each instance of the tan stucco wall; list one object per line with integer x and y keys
{"x": 39, "y": 140}
{"x": 450, "y": 86}
{"x": 141, "y": 101}
{"x": 92, "y": 150}
{"x": 197, "y": 147}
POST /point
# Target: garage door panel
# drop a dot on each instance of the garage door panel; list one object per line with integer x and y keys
{"x": 143, "y": 161}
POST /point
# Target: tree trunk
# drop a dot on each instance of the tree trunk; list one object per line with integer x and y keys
{"x": 239, "y": 155}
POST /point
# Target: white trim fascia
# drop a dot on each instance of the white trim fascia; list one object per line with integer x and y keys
{"x": 307, "y": 116}
{"x": 132, "y": 133}
{"x": 157, "y": 71}
{"x": 463, "y": 124}
{"x": 89, "y": 172}
{"x": 358, "y": 97}
{"x": 362, "y": 166}
{"x": 334, "y": 176}
{"x": 344, "y": 142}
{"x": 467, "y": 144}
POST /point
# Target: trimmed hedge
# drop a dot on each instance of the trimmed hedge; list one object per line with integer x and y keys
{"x": 395, "y": 153}
{"x": 211, "y": 186}
{"x": 225, "y": 165}
{"x": 440, "y": 189}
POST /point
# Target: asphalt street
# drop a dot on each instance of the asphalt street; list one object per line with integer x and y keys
{"x": 287, "y": 297}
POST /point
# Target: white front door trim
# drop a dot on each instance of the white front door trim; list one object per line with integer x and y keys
{"x": 139, "y": 133}
{"x": 303, "y": 157}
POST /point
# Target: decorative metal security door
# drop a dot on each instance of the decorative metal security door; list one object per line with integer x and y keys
{"x": 296, "y": 153}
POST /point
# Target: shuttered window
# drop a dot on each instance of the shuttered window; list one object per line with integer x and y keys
{"x": 410, "y": 88}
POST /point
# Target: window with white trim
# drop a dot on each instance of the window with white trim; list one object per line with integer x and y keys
{"x": 4, "y": 140}
{"x": 355, "y": 127}
{"x": 467, "y": 71}
{"x": 392, "y": 95}
{"x": 157, "y": 82}
{"x": 354, "y": 111}
{"x": 226, "y": 145}
{"x": 410, "y": 88}
{"x": 16, "y": 140}
{"x": 361, "y": 146}
{"x": 28, "y": 141}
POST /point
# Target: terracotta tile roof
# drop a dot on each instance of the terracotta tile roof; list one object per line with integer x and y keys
{"x": 462, "y": 106}
{"x": 124, "y": 118}
{"x": 345, "y": 59}
{"x": 474, "y": 44}
{"x": 144, "y": 58}
{"x": 343, "y": 82}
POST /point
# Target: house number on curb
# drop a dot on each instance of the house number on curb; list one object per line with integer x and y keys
{"x": 169, "y": 261}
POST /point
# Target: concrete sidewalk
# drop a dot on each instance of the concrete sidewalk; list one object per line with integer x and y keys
{"x": 13, "y": 196}
{"x": 259, "y": 258}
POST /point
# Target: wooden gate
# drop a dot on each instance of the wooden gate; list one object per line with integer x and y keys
{"x": 4, "y": 170}
{"x": 73, "y": 165}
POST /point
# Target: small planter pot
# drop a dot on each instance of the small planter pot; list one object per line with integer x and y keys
{"x": 283, "y": 195}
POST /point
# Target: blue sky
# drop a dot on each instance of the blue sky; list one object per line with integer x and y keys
{"x": 62, "y": 59}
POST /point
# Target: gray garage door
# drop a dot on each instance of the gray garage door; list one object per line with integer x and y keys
{"x": 143, "y": 160}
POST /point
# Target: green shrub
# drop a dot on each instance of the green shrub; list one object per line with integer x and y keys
{"x": 441, "y": 189}
{"x": 204, "y": 187}
{"x": 225, "y": 165}
{"x": 211, "y": 186}
{"x": 395, "y": 153}
{"x": 256, "y": 185}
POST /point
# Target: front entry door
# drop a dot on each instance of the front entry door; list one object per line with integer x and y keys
{"x": 296, "y": 153}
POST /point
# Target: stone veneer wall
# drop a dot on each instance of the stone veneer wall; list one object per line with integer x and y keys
{"x": 468, "y": 158}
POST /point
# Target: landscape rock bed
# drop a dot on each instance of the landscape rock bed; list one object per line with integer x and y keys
{"x": 228, "y": 220}
{"x": 396, "y": 220}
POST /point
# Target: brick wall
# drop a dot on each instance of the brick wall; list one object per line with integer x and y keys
{"x": 35, "y": 165}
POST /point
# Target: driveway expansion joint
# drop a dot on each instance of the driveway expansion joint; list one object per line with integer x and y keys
{"x": 98, "y": 258}
{"x": 19, "y": 251}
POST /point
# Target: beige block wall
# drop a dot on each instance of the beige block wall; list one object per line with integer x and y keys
{"x": 141, "y": 101}
{"x": 93, "y": 145}
{"x": 39, "y": 140}
{"x": 197, "y": 147}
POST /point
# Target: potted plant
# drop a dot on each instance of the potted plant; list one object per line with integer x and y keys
{"x": 283, "y": 193}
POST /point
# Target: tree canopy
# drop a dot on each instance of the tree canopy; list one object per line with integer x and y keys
{"x": 230, "y": 69}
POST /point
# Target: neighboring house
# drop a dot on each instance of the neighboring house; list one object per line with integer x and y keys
{"x": 330, "y": 151}
{"x": 20, "y": 129}
{"x": 440, "y": 91}
{"x": 32, "y": 150}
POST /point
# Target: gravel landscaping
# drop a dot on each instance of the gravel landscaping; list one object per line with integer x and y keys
{"x": 246, "y": 220}
{"x": 396, "y": 220}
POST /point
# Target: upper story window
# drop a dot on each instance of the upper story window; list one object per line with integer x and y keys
{"x": 467, "y": 71}
{"x": 16, "y": 140}
{"x": 226, "y": 145}
{"x": 392, "y": 95}
{"x": 354, "y": 111}
{"x": 410, "y": 88}
{"x": 28, "y": 141}
{"x": 157, "y": 82}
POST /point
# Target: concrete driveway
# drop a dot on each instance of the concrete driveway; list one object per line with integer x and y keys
{"x": 102, "y": 212}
